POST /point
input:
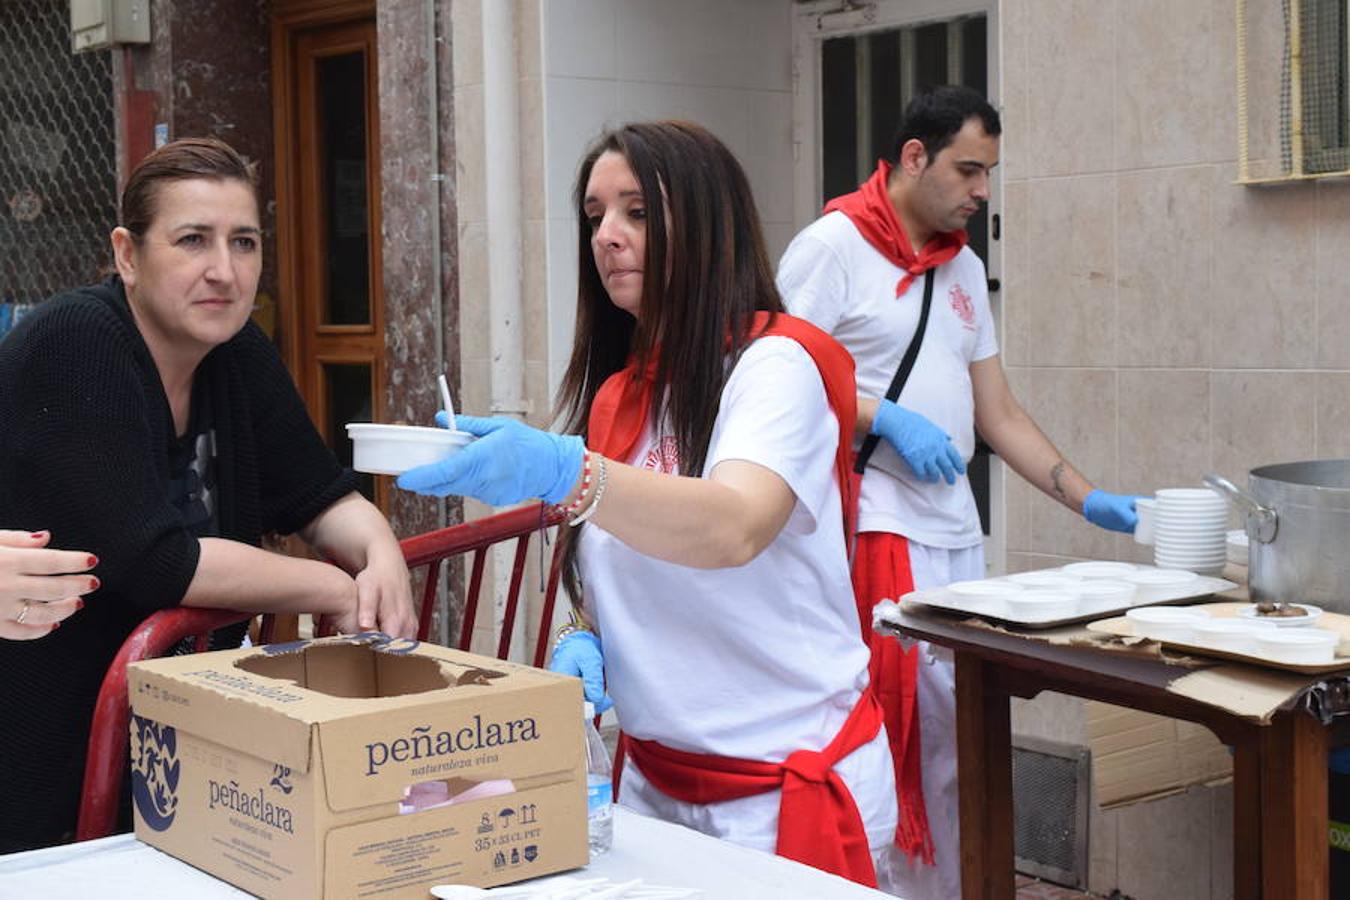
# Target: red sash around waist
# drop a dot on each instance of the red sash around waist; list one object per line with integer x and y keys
{"x": 818, "y": 820}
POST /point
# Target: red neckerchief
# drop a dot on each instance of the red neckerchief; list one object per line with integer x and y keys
{"x": 620, "y": 408}
{"x": 818, "y": 819}
{"x": 870, "y": 210}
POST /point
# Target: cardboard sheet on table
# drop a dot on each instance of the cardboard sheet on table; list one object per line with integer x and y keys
{"x": 1147, "y": 595}
{"x": 1121, "y": 627}
{"x": 1244, "y": 690}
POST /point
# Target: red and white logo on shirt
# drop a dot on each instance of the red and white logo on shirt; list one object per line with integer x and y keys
{"x": 961, "y": 303}
{"x": 664, "y": 456}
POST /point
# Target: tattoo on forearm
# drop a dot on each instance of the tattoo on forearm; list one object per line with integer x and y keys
{"x": 1056, "y": 473}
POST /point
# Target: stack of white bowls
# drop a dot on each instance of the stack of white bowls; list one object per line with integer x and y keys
{"x": 1190, "y": 530}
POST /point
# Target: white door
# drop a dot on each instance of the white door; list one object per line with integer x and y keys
{"x": 856, "y": 63}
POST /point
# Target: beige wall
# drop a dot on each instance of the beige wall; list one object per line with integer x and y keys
{"x": 1160, "y": 321}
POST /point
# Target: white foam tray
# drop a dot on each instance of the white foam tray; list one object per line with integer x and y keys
{"x": 998, "y": 611}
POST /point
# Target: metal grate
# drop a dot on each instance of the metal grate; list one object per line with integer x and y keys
{"x": 1293, "y": 69}
{"x": 1050, "y": 810}
{"x": 58, "y": 170}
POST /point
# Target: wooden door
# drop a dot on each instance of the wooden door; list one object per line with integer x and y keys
{"x": 332, "y": 309}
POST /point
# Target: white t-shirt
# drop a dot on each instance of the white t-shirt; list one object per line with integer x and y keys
{"x": 832, "y": 277}
{"x": 756, "y": 661}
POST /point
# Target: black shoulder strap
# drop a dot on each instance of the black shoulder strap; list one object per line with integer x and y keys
{"x": 869, "y": 443}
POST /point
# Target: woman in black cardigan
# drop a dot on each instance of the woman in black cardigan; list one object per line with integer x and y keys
{"x": 147, "y": 421}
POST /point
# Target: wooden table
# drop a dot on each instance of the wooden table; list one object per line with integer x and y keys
{"x": 1280, "y": 847}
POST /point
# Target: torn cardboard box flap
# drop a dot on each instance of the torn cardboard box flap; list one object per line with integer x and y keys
{"x": 358, "y": 767}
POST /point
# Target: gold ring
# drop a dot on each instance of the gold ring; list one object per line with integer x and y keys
{"x": 23, "y": 613}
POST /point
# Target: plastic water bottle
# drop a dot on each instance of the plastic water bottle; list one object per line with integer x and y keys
{"x": 599, "y": 790}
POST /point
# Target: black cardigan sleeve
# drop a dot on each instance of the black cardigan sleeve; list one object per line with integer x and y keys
{"x": 299, "y": 477}
{"x": 83, "y": 441}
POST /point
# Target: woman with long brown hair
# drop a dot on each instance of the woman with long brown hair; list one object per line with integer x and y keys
{"x": 709, "y": 461}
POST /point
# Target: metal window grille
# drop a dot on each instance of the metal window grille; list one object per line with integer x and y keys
{"x": 1293, "y": 89}
{"x": 58, "y": 170}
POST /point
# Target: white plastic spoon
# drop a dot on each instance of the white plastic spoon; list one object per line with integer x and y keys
{"x": 445, "y": 399}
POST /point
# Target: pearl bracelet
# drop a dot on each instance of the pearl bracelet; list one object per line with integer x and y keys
{"x": 572, "y": 508}
{"x": 600, "y": 483}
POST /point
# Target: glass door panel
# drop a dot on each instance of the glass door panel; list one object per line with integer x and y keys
{"x": 340, "y": 80}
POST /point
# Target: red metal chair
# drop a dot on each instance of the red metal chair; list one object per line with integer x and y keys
{"x": 434, "y": 547}
{"x": 109, "y": 734}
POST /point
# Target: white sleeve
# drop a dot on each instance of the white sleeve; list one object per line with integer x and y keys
{"x": 774, "y": 413}
{"x": 813, "y": 281}
{"x": 986, "y": 339}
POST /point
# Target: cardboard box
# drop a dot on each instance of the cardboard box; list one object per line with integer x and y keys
{"x": 283, "y": 769}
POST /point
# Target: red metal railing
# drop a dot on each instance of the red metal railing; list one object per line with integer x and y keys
{"x": 106, "y": 760}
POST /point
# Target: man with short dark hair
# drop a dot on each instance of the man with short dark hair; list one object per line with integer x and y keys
{"x": 860, "y": 272}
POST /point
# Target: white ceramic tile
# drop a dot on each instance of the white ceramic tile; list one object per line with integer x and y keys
{"x": 706, "y": 42}
{"x": 581, "y": 38}
{"x": 576, "y": 111}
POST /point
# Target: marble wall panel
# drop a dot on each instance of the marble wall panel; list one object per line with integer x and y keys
{"x": 1261, "y": 418}
{"x": 1164, "y": 83}
{"x": 1333, "y": 275}
{"x": 1163, "y": 278}
{"x": 1265, "y": 275}
{"x": 1071, "y": 83}
{"x": 1070, "y": 283}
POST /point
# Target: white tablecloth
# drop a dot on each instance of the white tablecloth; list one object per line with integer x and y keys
{"x": 658, "y": 852}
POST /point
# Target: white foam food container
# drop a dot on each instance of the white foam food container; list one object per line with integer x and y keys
{"x": 1165, "y": 623}
{"x": 1042, "y": 604}
{"x": 1298, "y": 645}
{"x": 394, "y": 449}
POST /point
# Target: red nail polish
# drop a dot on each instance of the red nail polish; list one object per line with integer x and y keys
{"x": 93, "y": 561}
{"x": 79, "y": 604}
{"x": 94, "y": 583}
{"x": 55, "y": 625}
{"x": 38, "y": 535}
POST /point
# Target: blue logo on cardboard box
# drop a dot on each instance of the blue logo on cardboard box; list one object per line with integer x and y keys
{"x": 253, "y": 804}
{"x": 154, "y": 771}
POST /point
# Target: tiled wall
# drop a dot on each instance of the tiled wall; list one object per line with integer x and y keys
{"x": 1161, "y": 321}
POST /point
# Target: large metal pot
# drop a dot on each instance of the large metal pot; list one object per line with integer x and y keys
{"x": 1298, "y": 529}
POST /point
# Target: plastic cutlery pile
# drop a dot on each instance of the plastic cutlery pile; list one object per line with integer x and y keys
{"x": 567, "y": 888}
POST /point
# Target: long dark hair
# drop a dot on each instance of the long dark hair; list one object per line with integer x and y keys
{"x": 695, "y": 320}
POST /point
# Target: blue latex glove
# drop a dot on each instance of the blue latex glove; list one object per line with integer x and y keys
{"x": 1114, "y": 512}
{"x": 510, "y": 462}
{"x": 579, "y": 655}
{"x": 926, "y": 448}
